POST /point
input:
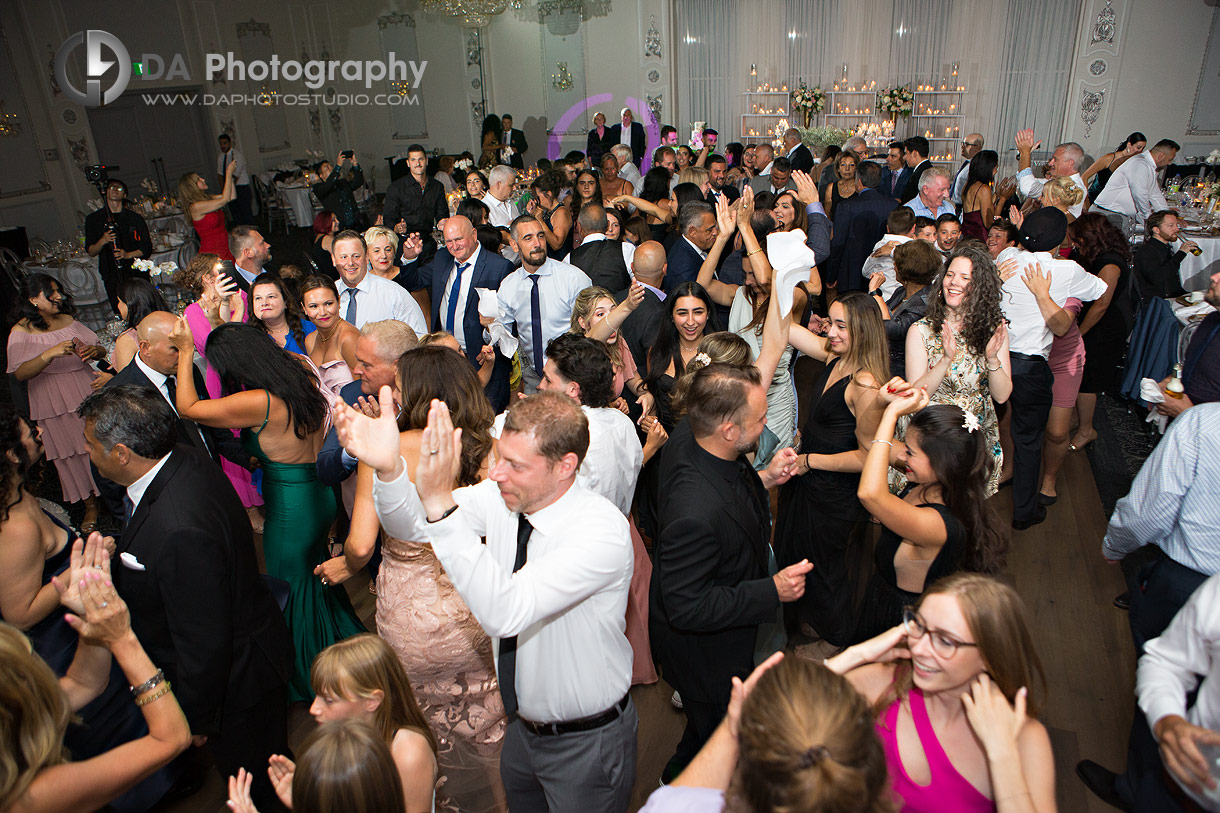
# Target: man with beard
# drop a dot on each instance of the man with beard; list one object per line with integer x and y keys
{"x": 710, "y": 585}
{"x": 537, "y": 297}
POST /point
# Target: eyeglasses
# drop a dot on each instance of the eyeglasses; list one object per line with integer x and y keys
{"x": 971, "y": 144}
{"x": 943, "y": 644}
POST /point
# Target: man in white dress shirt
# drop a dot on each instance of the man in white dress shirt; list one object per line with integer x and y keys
{"x": 549, "y": 586}
{"x": 502, "y": 210}
{"x": 626, "y": 165}
{"x": 972, "y": 145}
{"x": 240, "y": 207}
{"x": 365, "y": 297}
{"x": 1029, "y": 339}
{"x": 537, "y": 297}
{"x": 1064, "y": 163}
{"x": 1132, "y": 190}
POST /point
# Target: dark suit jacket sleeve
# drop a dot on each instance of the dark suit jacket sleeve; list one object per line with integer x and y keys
{"x": 356, "y": 180}
{"x": 332, "y": 469}
{"x": 519, "y": 144}
{"x": 192, "y": 575}
{"x": 685, "y": 565}
{"x": 684, "y": 265}
{"x": 818, "y": 237}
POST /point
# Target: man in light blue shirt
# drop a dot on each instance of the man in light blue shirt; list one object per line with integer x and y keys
{"x": 933, "y": 198}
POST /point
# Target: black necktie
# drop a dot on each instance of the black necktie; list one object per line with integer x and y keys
{"x": 192, "y": 429}
{"x": 129, "y": 508}
{"x": 506, "y": 668}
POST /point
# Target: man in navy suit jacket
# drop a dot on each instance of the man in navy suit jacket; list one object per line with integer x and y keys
{"x": 448, "y": 275}
{"x": 697, "y": 225}
{"x": 859, "y": 223}
{"x": 798, "y": 153}
{"x": 895, "y": 173}
{"x": 638, "y": 141}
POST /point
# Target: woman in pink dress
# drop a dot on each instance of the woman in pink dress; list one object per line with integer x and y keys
{"x": 219, "y": 302}
{"x": 333, "y": 345}
{"x": 205, "y": 212}
{"x": 50, "y": 351}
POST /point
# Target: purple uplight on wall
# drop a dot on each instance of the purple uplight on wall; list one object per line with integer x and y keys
{"x": 652, "y": 128}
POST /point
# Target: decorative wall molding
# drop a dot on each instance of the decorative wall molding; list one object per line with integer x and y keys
{"x": 252, "y": 27}
{"x": 1204, "y": 119}
{"x": 395, "y": 19}
{"x": 1091, "y": 102}
{"x": 652, "y": 40}
{"x": 1103, "y": 26}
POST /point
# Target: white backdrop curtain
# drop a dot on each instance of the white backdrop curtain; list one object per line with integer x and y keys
{"x": 1014, "y": 56}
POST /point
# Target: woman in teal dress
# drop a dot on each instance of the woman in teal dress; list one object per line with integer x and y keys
{"x": 275, "y": 401}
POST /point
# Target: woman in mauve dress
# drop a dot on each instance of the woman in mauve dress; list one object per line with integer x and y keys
{"x": 50, "y": 351}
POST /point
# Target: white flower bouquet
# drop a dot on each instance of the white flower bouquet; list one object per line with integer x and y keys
{"x": 898, "y": 100}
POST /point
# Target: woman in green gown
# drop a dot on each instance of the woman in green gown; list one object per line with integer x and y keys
{"x": 273, "y": 398}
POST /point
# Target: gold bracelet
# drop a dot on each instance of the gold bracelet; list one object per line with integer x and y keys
{"x": 752, "y": 253}
{"x": 144, "y": 701}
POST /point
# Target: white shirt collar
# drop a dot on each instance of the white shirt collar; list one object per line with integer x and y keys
{"x": 471, "y": 260}
{"x": 594, "y": 237}
{"x": 767, "y": 169}
{"x": 701, "y": 252}
{"x": 135, "y": 491}
{"x": 342, "y": 285}
{"x": 158, "y": 379}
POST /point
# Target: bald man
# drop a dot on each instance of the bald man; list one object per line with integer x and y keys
{"x": 451, "y": 277}
{"x": 972, "y": 145}
{"x": 640, "y": 327}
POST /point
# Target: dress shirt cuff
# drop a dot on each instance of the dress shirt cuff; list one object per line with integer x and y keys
{"x": 1028, "y": 172}
{"x": 1115, "y": 546}
{"x": 814, "y": 208}
{"x": 349, "y": 462}
{"x": 1156, "y": 703}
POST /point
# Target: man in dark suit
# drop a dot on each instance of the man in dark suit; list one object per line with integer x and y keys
{"x": 452, "y": 281}
{"x": 917, "y": 159}
{"x": 698, "y": 230}
{"x": 516, "y": 140}
{"x": 601, "y": 259}
{"x": 639, "y": 329}
{"x": 636, "y": 140}
{"x": 186, "y": 569}
{"x": 710, "y": 589}
{"x": 895, "y": 173}
{"x": 859, "y": 222}
{"x": 717, "y": 172}
{"x": 798, "y": 154}
{"x": 250, "y": 253}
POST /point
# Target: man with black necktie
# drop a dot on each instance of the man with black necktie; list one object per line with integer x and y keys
{"x": 516, "y": 140}
{"x": 549, "y": 586}
{"x": 972, "y": 145}
{"x": 895, "y": 173}
{"x": 916, "y": 158}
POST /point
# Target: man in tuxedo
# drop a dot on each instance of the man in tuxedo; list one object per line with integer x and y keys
{"x": 916, "y": 158}
{"x": 895, "y": 173}
{"x": 859, "y": 222}
{"x": 516, "y": 140}
{"x": 187, "y": 570}
{"x": 250, "y": 253}
{"x": 972, "y": 145}
{"x": 697, "y": 225}
{"x": 604, "y": 261}
{"x": 710, "y": 586}
{"x": 798, "y": 154}
{"x": 452, "y": 277}
{"x": 640, "y": 327}
{"x": 718, "y": 172}
{"x": 631, "y": 133}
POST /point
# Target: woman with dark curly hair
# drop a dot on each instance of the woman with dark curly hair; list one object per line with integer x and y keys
{"x": 275, "y": 400}
{"x": 276, "y": 312}
{"x": 51, "y": 351}
{"x": 490, "y": 142}
{"x": 1106, "y": 322}
{"x": 941, "y": 522}
{"x": 959, "y": 351}
{"x": 444, "y": 651}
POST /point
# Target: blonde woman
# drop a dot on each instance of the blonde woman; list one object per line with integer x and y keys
{"x": 205, "y": 213}
{"x": 595, "y": 315}
{"x": 382, "y": 250}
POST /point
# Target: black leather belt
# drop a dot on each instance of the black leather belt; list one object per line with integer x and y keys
{"x": 583, "y": 724}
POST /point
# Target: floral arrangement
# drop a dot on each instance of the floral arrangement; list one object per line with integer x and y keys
{"x": 898, "y": 100}
{"x": 808, "y": 100}
{"x": 1213, "y": 157}
{"x": 465, "y": 165}
{"x": 150, "y": 186}
{"x": 817, "y": 139}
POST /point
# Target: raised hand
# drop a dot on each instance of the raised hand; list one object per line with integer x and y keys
{"x": 909, "y": 402}
{"x": 85, "y": 557}
{"x": 1015, "y": 216}
{"x": 996, "y": 342}
{"x": 745, "y": 208}
{"x": 806, "y": 187}
{"x": 239, "y": 789}
{"x": 440, "y": 460}
{"x": 1025, "y": 141}
{"x": 369, "y": 406}
{"x": 180, "y": 337}
{"x": 106, "y": 619}
{"x": 996, "y": 723}
{"x": 1008, "y": 269}
{"x": 413, "y": 246}
{"x": 893, "y": 389}
{"x": 725, "y": 218}
{"x": 281, "y": 769}
{"x": 790, "y": 582}
{"x": 373, "y": 441}
{"x": 741, "y": 690}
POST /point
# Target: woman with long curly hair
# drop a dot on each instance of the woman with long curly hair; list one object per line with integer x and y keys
{"x": 445, "y": 653}
{"x": 959, "y": 351}
{"x": 1106, "y": 322}
{"x": 941, "y": 522}
{"x": 956, "y": 691}
{"x": 275, "y": 400}
{"x": 820, "y": 516}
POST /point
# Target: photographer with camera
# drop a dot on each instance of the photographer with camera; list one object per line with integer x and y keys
{"x": 334, "y": 191}
{"x": 116, "y": 236}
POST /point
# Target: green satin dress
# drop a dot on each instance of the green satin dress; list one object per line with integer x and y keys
{"x": 299, "y": 512}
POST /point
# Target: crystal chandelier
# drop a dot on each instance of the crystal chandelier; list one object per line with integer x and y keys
{"x": 469, "y": 13}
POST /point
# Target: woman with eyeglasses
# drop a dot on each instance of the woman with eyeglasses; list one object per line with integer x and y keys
{"x": 956, "y": 689}
{"x": 940, "y": 523}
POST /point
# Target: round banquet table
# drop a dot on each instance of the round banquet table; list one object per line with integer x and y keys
{"x": 298, "y": 200}
{"x": 1195, "y": 271}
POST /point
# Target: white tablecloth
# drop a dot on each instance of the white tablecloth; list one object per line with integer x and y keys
{"x": 298, "y": 200}
{"x": 160, "y": 222}
{"x": 1195, "y": 271}
{"x": 182, "y": 255}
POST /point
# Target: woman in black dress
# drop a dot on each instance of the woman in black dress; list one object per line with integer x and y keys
{"x": 1106, "y": 322}
{"x": 820, "y": 517}
{"x": 941, "y": 522}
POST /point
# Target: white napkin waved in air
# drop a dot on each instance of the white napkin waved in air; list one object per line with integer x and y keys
{"x": 489, "y": 305}
{"x": 1150, "y": 393}
{"x": 792, "y": 259}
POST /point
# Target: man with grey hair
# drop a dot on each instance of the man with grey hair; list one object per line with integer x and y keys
{"x": 798, "y": 153}
{"x": 932, "y": 200}
{"x": 626, "y": 163}
{"x": 972, "y": 145}
{"x": 499, "y": 189}
{"x": 605, "y": 262}
{"x": 764, "y": 154}
{"x": 697, "y": 225}
{"x": 1063, "y": 163}
{"x": 630, "y": 132}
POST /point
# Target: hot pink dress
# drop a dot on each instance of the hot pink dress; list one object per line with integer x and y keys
{"x": 213, "y": 237}
{"x": 55, "y": 393}
{"x": 239, "y": 476}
